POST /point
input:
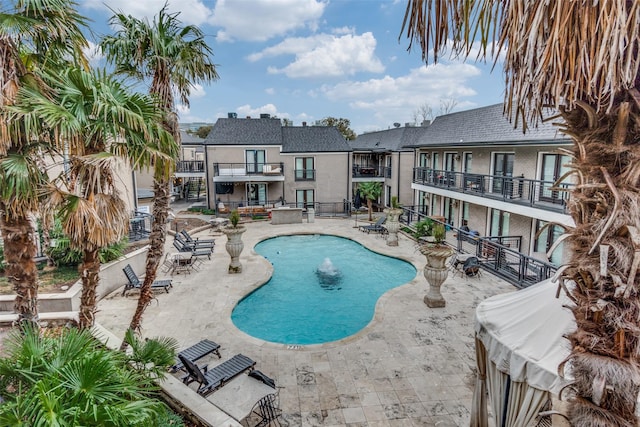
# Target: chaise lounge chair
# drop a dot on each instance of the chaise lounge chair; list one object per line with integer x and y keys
{"x": 196, "y": 252}
{"x": 210, "y": 380}
{"x": 197, "y": 240}
{"x": 197, "y": 352}
{"x": 376, "y": 228}
{"x": 134, "y": 281}
{"x": 194, "y": 244}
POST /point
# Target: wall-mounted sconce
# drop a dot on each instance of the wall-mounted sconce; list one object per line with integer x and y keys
{"x": 428, "y": 155}
{"x": 457, "y": 157}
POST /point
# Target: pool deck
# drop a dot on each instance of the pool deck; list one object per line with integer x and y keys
{"x": 411, "y": 366}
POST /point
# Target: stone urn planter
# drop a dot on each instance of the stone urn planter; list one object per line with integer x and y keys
{"x": 234, "y": 247}
{"x": 392, "y": 225}
{"x": 435, "y": 272}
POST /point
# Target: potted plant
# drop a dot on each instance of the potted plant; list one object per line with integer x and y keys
{"x": 234, "y": 244}
{"x": 393, "y": 221}
{"x": 436, "y": 271}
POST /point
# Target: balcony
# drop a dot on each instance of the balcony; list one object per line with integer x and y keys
{"x": 359, "y": 171}
{"x": 305, "y": 174}
{"x": 231, "y": 172}
{"x": 517, "y": 190}
{"x": 189, "y": 167}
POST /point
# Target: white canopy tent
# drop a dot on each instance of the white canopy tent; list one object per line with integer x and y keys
{"x": 519, "y": 345}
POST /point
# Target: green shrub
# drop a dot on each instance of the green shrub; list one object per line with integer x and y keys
{"x": 424, "y": 228}
{"x": 234, "y": 217}
{"x": 168, "y": 418}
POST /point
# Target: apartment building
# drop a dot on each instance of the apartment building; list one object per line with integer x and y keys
{"x": 474, "y": 168}
{"x": 261, "y": 163}
{"x": 386, "y": 157}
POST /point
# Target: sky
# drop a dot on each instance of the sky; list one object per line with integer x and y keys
{"x": 305, "y": 60}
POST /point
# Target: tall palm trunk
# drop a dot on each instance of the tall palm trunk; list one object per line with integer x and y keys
{"x": 157, "y": 240}
{"x": 89, "y": 271}
{"x": 606, "y": 209}
{"x": 20, "y": 249}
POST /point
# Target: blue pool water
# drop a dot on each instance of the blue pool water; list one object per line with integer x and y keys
{"x": 323, "y": 288}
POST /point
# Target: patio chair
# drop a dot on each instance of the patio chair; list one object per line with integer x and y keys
{"x": 197, "y": 352}
{"x": 134, "y": 281}
{"x": 197, "y": 240}
{"x": 471, "y": 267}
{"x": 377, "y": 227}
{"x": 268, "y": 411}
{"x": 210, "y": 380}
{"x": 194, "y": 251}
{"x": 193, "y": 244}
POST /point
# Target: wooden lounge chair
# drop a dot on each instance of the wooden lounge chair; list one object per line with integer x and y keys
{"x": 197, "y": 352}
{"x": 197, "y": 240}
{"x": 134, "y": 281}
{"x": 210, "y": 380}
{"x": 376, "y": 228}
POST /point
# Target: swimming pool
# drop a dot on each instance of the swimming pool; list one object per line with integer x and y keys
{"x": 323, "y": 288}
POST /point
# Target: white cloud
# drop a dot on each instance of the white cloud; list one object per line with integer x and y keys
{"x": 248, "y": 111}
{"x": 270, "y": 91}
{"x": 325, "y": 55}
{"x": 93, "y": 53}
{"x": 197, "y": 91}
{"x": 191, "y": 11}
{"x": 260, "y": 20}
{"x": 394, "y": 98}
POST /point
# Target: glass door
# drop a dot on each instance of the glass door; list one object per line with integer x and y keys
{"x": 257, "y": 194}
{"x": 499, "y": 223}
{"x": 553, "y": 167}
{"x": 255, "y": 160}
{"x": 503, "y": 172}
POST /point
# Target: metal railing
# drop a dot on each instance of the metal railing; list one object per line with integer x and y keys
{"x": 498, "y": 254}
{"x": 140, "y": 226}
{"x": 359, "y": 171}
{"x": 244, "y": 169}
{"x": 518, "y": 190}
{"x": 195, "y": 166}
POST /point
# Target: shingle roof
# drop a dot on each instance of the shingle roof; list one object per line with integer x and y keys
{"x": 301, "y": 139}
{"x": 485, "y": 125}
{"x": 245, "y": 132}
{"x": 395, "y": 139}
{"x": 186, "y": 138}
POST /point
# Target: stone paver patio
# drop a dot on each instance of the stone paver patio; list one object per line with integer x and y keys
{"x": 411, "y": 366}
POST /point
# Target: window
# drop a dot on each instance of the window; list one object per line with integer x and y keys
{"x": 435, "y": 204}
{"x": 304, "y": 169}
{"x": 449, "y": 210}
{"x": 468, "y": 158}
{"x": 545, "y": 240}
{"x": 254, "y": 160}
{"x": 435, "y": 161}
{"x": 503, "y": 167}
{"x": 499, "y": 223}
{"x": 387, "y": 195}
{"x": 304, "y": 199}
{"x": 465, "y": 212}
{"x": 553, "y": 167}
{"x": 423, "y": 202}
{"x": 387, "y": 170}
{"x": 423, "y": 160}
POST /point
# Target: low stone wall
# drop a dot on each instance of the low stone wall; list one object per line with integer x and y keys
{"x": 286, "y": 216}
{"x": 111, "y": 278}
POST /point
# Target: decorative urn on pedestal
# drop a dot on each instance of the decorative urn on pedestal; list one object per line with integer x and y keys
{"x": 393, "y": 221}
{"x": 436, "y": 271}
{"x": 234, "y": 244}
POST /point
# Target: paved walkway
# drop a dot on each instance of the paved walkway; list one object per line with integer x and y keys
{"x": 411, "y": 366}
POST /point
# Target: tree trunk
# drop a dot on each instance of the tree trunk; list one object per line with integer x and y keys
{"x": 89, "y": 271}
{"x": 606, "y": 208}
{"x": 20, "y": 250}
{"x": 156, "y": 247}
{"x": 370, "y": 207}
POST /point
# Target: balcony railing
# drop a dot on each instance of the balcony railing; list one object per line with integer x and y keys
{"x": 360, "y": 171}
{"x": 186, "y": 166}
{"x": 518, "y": 190}
{"x": 497, "y": 254}
{"x": 305, "y": 174}
{"x": 246, "y": 169}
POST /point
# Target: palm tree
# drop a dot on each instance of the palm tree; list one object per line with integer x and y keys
{"x": 174, "y": 57}
{"x": 35, "y": 34}
{"x": 580, "y": 58}
{"x": 100, "y": 122}
{"x": 370, "y": 191}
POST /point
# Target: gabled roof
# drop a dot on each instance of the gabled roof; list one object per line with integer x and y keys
{"x": 301, "y": 139}
{"x": 396, "y": 139}
{"x": 486, "y": 125}
{"x": 245, "y": 132}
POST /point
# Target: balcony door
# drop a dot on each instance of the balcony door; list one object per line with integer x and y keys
{"x": 257, "y": 194}
{"x": 499, "y": 223}
{"x": 502, "y": 172}
{"x": 450, "y": 168}
{"x": 553, "y": 167}
{"x": 254, "y": 160}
